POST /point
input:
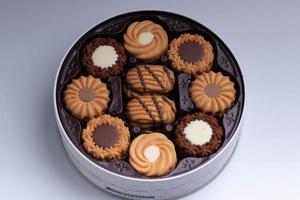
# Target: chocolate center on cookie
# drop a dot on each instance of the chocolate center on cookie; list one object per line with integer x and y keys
{"x": 212, "y": 90}
{"x": 190, "y": 51}
{"x": 105, "y": 136}
{"x": 86, "y": 94}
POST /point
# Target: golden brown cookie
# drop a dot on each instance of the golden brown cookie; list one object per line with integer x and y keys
{"x": 191, "y": 53}
{"x": 106, "y": 138}
{"x": 103, "y": 57}
{"x": 149, "y": 110}
{"x": 86, "y": 97}
{"x": 131, "y": 93}
{"x": 150, "y": 79}
{"x": 212, "y": 92}
{"x": 152, "y": 154}
{"x": 146, "y": 40}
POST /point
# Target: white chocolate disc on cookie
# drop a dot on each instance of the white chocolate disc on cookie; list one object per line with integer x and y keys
{"x": 104, "y": 56}
{"x": 145, "y": 38}
{"x": 198, "y": 132}
{"x": 152, "y": 153}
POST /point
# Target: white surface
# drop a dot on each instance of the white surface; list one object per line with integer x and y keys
{"x": 145, "y": 38}
{"x": 152, "y": 153}
{"x": 264, "y": 37}
{"x": 104, "y": 56}
{"x": 198, "y": 132}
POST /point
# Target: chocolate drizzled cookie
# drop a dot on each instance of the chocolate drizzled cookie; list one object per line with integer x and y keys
{"x": 149, "y": 110}
{"x": 150, "y": 79}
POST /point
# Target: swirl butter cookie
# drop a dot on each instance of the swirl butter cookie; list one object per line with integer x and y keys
{"x": 149, "y": 110}
{"x": 103, "y": 57}
{"x": 191, "y": 53}
{"x": 150, "y": 79}
{"x": 152, "y": 154}
{"x": 86, "y": 97}
{"x": 146, "y": 40}
{"x": 198, "y": 135}
{"x": 213, "y": 92}
{"x": 106, "y": 138}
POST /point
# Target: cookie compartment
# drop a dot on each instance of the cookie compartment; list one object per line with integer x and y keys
{"x": 174, "y": 26}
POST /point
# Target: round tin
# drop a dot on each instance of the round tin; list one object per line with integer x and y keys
{"x": 192, "y": 174}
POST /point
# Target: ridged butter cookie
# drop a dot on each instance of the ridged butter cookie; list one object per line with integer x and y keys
{"x": 86, "y": 97}
{"x": 213, "y": 92}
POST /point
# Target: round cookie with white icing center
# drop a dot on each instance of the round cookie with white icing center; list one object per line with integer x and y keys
{"x": 104, "y": 56}
{"x": 198, "y": 135}
{"x": 198, "y": 132}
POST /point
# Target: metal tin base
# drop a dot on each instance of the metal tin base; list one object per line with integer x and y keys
{"x": 133, "y": 188}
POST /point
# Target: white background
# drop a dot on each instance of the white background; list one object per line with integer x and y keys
{"x": 264, "y": 37}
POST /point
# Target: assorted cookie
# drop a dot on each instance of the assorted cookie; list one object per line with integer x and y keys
{"x": 106, "y": 138}
{"x": 86, "y": 97}
{"x": 198, "y": 135}
{"x": 158, "y": 100}
{"x": 152, "y": 154}
{"x": 213, "y": 92}
{"x": 150, "y": 79}
{"x": 146, "y": 40}
{"x": 191, "y": 53}
{"x": 103, "y": 57}
{"x": 151, "y": 110}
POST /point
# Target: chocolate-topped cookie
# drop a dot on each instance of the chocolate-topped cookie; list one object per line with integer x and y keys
{"x": 106, "y": 138}
{"x": 103, "y": 57}
{"x": 191, "y": 53}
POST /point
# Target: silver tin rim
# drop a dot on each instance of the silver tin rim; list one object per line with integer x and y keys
{"x": 64, "y": 134}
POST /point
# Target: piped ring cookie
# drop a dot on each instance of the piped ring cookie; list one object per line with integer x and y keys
{"x": 191, "y": 54}
{"x": 146, "y": 40}
{"x": 152, "y": 154}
